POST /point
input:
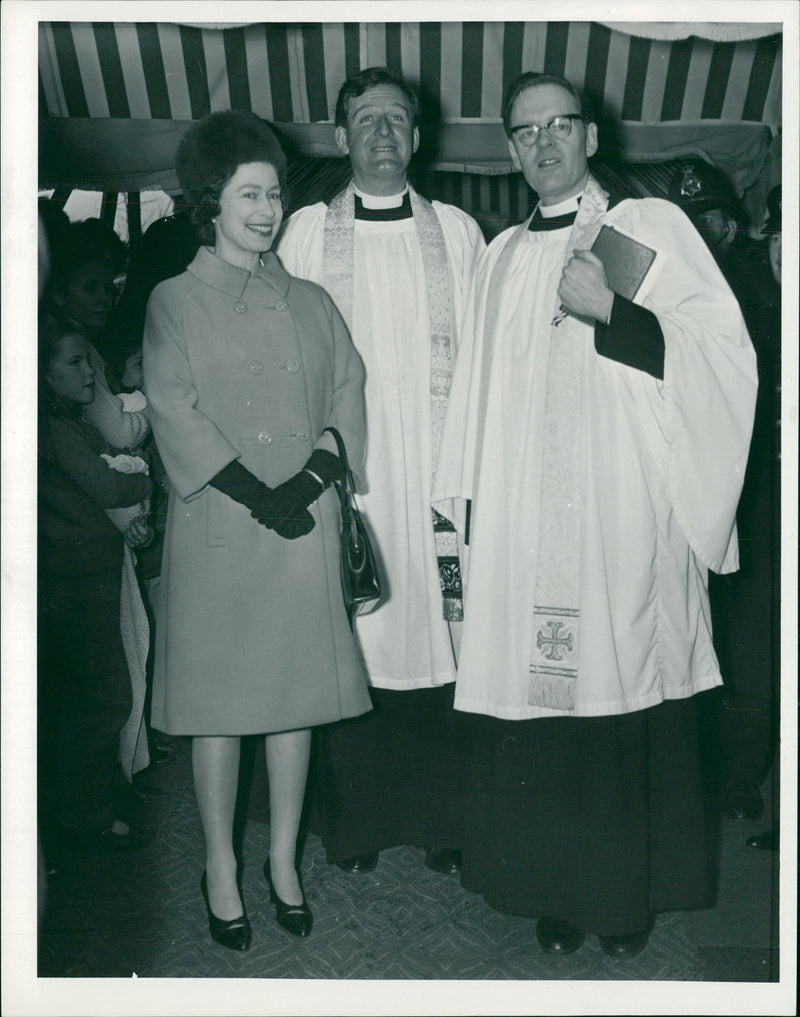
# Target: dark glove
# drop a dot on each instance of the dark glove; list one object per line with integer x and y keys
{"x": 289, "y": 501}
{"x": 299, "y": 525}
{"x": 325, "y": 465}
{"x": 287, "y": 511}
{"x": 238, "y": 483}
{"x": 242, "y": 486}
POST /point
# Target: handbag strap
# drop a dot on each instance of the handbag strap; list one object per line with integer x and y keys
{"x": 346, "y": 486}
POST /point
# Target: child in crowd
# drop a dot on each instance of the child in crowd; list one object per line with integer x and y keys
{"x": 84, "y": 682}
{"x": 81, "y": 293}
{"x": 122, "y": 352}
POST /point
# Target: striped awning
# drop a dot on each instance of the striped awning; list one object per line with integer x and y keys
{"x": 668, "y": 95}
{"x": 292, "y": 73}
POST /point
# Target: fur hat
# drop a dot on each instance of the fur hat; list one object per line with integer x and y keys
{"x": 210, "y": 153}
{"x": 212, "y": 150}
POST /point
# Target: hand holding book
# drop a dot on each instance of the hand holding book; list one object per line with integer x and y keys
{"x": 584, "y": 290}
{"x": 617, "y": 263}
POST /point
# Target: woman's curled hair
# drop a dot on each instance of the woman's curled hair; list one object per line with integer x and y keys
{"x": 210, "y": 153}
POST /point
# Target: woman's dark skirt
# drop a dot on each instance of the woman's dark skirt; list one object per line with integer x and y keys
{"x": 598, "y": 821}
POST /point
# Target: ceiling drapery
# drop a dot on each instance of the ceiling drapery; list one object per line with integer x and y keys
{"x": 116, "y": 97}
{"x": 716, "y": 31}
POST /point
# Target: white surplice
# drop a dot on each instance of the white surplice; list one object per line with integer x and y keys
{"x": 662, "y": 463}
{"x": 406, "y": 641}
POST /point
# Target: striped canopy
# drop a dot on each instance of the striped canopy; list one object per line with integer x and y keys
{"x": 115, "y": 98}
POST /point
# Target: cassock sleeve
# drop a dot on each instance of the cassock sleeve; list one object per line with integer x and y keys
{"x": 632, "y": 337}
{"x": 192, "y": 447}
{"x": 703, "y": 425}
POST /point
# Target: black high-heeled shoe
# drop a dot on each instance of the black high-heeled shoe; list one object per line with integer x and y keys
{"x": 235, "y": 933}
{"x": 295, "y": 918}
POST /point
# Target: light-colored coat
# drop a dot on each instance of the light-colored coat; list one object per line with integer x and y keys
{"x": 252, "y": 634}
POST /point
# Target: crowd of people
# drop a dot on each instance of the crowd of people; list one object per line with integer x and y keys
{"x": 552, "y": 470}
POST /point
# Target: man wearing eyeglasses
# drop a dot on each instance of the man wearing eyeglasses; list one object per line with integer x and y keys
{"x": 600, "y": 440}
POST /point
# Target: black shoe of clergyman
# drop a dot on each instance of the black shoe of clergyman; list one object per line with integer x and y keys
{"x": 625, "y": 946}
{"x": 359, "y": 863}
{"x": 742, "y": 800}
{"x": 445, "y": 860}
{"x": 558, "y": 937}
{"x": 766, "y": 841}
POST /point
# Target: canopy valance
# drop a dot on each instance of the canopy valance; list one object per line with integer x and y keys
{"x": 116, "y": 97}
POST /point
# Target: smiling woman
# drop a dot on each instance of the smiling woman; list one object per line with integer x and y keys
{"x": 245, "y": 367}
{"x": 250, "y": 214}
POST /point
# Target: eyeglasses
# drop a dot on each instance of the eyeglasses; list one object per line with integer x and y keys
{"x": 559, "y": 128}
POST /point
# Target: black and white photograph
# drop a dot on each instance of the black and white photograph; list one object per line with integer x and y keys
{"x": 400, "y": 519}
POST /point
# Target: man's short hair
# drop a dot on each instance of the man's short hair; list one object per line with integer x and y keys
{"x": 531, "y": 79}
{"x": 371, "y": 77}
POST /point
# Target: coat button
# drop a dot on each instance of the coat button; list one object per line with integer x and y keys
{"x": 240, "y": 307}
{"x": 293, "y": 366}
{"x": 256, "y": 367}
{"x": 302, "y": 435}
{"x": 265, "y": 437}
{"x": 281, "y": 306}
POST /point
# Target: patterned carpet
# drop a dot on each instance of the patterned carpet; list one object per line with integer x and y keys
{"x": 143, "y": 914}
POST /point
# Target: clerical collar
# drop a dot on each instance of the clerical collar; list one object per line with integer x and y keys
{"x": 381, "y": 200}
{"x": 555, "y": 217}
{"x": 382, "y": 208}
{"x": 561, "y": 207}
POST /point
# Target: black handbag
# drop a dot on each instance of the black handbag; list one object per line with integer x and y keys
{"x": 361, "y": 584}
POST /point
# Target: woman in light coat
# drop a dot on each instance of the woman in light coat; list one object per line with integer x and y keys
{"x": 245, "y": 366}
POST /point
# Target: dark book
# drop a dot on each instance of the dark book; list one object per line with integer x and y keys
{"x": 626, "y": 261}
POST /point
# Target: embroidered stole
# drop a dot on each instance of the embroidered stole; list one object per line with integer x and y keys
{"x": 556, "y": 607}
{"x": 338, "y": 258}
